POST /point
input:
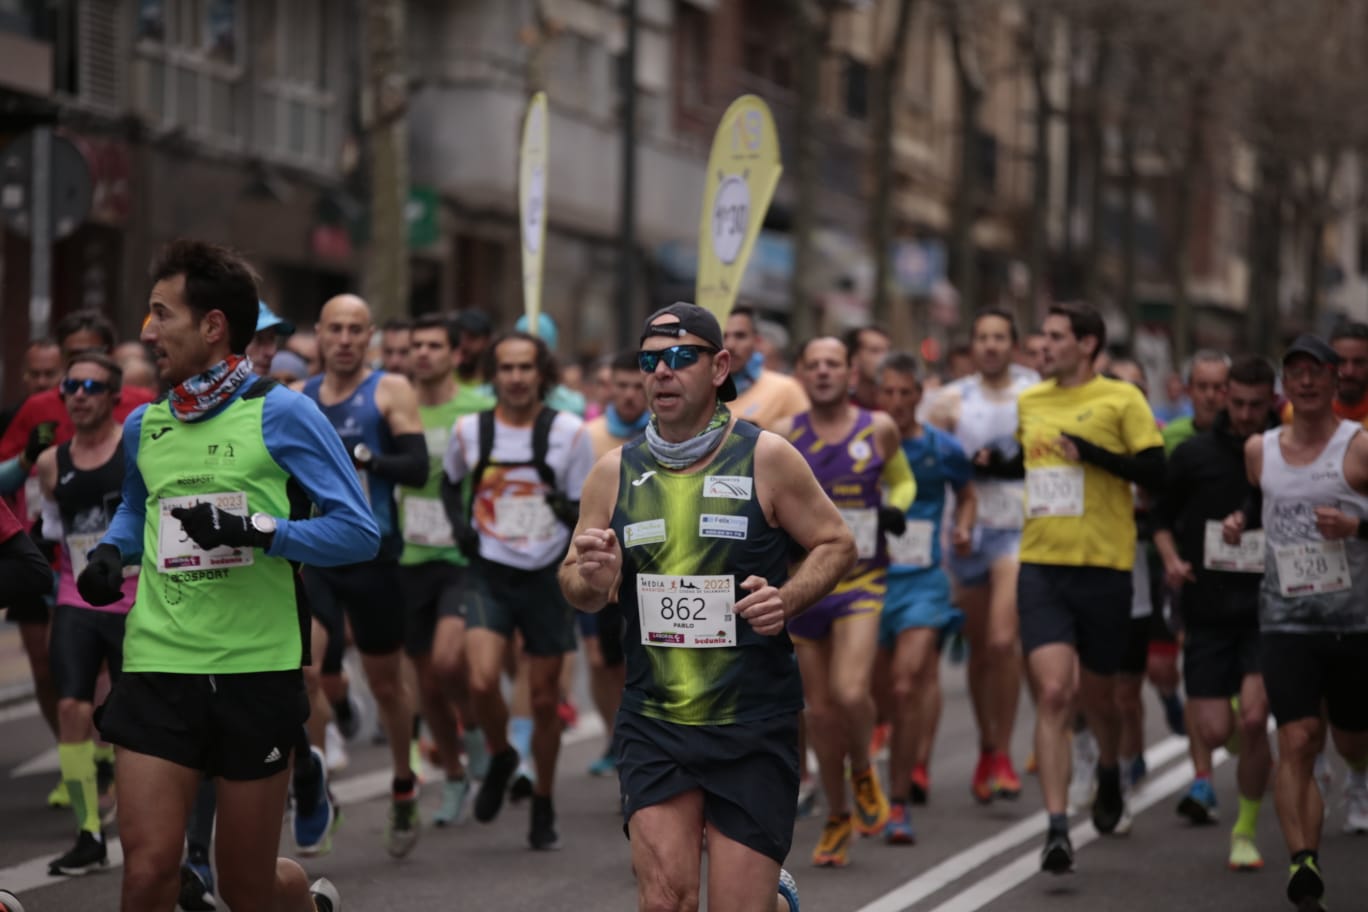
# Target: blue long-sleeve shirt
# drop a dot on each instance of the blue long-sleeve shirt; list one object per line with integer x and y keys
{"x": 304, "y": 444}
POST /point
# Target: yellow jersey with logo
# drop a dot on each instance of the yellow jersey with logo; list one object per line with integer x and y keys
{"x": 1096, "y": 529}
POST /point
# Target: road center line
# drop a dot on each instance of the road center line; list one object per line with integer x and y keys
{"x": 953, "y": 868}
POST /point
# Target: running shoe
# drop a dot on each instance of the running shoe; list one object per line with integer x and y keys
{"x": 490, "y": 797}
{"x": 788, "y": 888}
{"x": 401, "y": 829}
{"x": 807, "y": 796}
{"x": 454, "y": 795}
{"x": 899, "y": 829}
{"x": 314, "y": 814}
{"x": 1244, "y": 854}
{"x": 476, "y": 754}
{"x": 603, "y": 766}
{"x": 58, "y": 797}
{"x": 871, "y": 807}
{"x": 335, "y": 749}
{"x": 197, "y": 886}
{"x": 1083, "y": 779}
{"x": 1199, "y": 804}
{"x": 568, "y": 714}
{"x": 10, "y": 903}
{"x": 1304, "y": 883}
{"x": 325, "y": 896}
{"x": 982, "y": 784}
{"x": 1058, "y": 855}
{"x": 833, "y": 849}
{"x": 89, "y": 854}
{"x": 879, "y": 740}
{"x": 1356, "y": 803}
{"x": 1006, "y": 782}
{"x": 543, "y": 836}
{"x": 921, "y": 785}
{"x": 1109, "y": 811}
{"x": 524, "y": 782}
{"x": 416, "y": 762}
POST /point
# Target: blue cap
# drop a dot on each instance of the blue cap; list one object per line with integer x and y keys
{"x": 266, "y": 319}
{"x": 546, "y": 329}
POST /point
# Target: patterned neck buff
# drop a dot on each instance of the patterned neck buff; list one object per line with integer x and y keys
{"x": 196, "y": 397}
{"x": 686, "y": 453}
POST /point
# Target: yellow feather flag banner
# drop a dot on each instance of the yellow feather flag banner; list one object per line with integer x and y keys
{"x": 743, "y": 171}
{"x": 532, "y": 161}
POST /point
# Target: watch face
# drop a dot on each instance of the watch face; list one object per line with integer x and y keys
{"x": 361, "y": 453}
{"x": 263, "y": 523}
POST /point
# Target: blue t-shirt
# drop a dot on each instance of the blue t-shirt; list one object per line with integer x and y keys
{"x": 937, "y": 460}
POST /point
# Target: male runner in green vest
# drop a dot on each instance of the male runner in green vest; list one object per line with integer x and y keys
{"x": 220, "y": 479}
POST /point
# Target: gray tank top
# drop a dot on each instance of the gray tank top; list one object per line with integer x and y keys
{"x": 1290, "y": 497}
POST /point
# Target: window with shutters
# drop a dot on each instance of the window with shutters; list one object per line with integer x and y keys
{"x": 297, "y": 109}
{"x": 187, "y": 67}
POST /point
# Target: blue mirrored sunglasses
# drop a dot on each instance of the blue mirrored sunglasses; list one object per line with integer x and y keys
{"x": 91, "y": 387}
{"x": 675, "y": 357}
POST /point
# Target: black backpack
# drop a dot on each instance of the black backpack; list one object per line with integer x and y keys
{"x": 541, "y": 442}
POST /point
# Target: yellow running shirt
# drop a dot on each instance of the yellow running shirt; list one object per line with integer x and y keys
{"x": 1078, "y": 514}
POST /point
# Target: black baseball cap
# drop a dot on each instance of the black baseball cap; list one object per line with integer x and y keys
{"x": 475, "y": 322}
{"x": 1313, "y": 347}
{"x": 693, "y": 320}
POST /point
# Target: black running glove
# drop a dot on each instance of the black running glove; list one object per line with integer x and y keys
{"x": 209, "y": 527}
{"x": 892, "y": 520}
{"x": 40, "y": 438}
{"x": 101, "y": 582}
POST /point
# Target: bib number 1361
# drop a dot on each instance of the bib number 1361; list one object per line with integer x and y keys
{"x": 690, "y": 612}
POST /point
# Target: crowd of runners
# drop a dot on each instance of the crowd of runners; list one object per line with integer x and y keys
{"x": 761, "y": 568}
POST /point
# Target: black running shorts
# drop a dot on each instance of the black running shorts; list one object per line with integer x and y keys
{"x": 31, "y": 609}
{"x": 238, "y": 727}
{"x": 1216, "y": 661}
{"x": 1085, "y": 607}
{"x": 82, "y": 641}
{"x": 748, "y": 774}
{"x": 503, "y": 599}
{"x": 432, "y": 590}
{"x": 1303, "y": 669}
{"x": 368, "y": 595}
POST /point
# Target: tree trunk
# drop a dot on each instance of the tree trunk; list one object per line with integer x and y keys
{"x": 1313, "y": 263}
{"x": 962, "y": 253}
{"x": 808, "y": 20}
{"x": 1040, "y": 37}
{"x": 1130, "y": 188}
{"x": 1265, "y": 250}
{"x": 888, "y": 79}
{"x": 385, "y": 114}
{"x": 1182, "y": 229}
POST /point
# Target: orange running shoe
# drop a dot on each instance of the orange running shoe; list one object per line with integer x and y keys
{"x": 921, "y": 785}
{"x": 833, "y": 848}
{"x": 1006, "y": 783}
{"x": 879, "y": 740}
{"x": 871, "y": 806}
{"x": 982, "y": 785}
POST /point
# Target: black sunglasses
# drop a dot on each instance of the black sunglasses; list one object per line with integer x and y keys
{"x": 675, "y": 357}
{"x": 91, "y": 387}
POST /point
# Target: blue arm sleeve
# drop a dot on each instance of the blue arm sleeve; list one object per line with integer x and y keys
{"x": 126, "y": 529}
{"x": 304, "y": 444}
{"x": 12, "y": 476}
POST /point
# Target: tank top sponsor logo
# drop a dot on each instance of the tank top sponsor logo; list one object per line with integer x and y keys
{"x": 713, "y": 525}
{"x": 647, "y": 532}
{"x": 734, "y": 487}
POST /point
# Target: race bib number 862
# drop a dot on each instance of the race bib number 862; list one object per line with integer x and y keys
{"x": 689, "y": 612}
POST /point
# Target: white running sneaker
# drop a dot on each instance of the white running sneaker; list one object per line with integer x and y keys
{"x": 335, "y": 749}
{"x": 1356, "y": 803}
{"x": 1083, "y": 780}
{"x": 325, "y": 896}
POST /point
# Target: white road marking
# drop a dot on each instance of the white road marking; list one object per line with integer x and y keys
{"x": 19, "y": 711}
{"x": 1028, "y": 865}
{"x": 45, "y": 762}
{"x": 956, "y": 866}
{"x": 31, "y": 875}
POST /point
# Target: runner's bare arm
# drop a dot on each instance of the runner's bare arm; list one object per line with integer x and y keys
{"x": 47, "y": 470}
{"x": 592, "y": 569}
{"x": 398, "y": 404}
{"x": 944, "y": 410}
{"x": 794, "y": 501}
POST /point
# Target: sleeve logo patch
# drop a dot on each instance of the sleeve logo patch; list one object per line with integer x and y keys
{"x": 733, "y": 487}
{"x": 713, "y": 525}
{"x": 650, "y": 532}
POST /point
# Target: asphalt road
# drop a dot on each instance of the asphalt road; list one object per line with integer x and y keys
{"x": 967, "y": 857}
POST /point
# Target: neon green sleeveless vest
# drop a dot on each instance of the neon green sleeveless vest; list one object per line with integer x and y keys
{"x": 205, "y": 613}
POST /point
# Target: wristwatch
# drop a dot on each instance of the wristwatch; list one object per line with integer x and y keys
{"x": 264, "y": 524}
{"x": 362, "y": 455}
